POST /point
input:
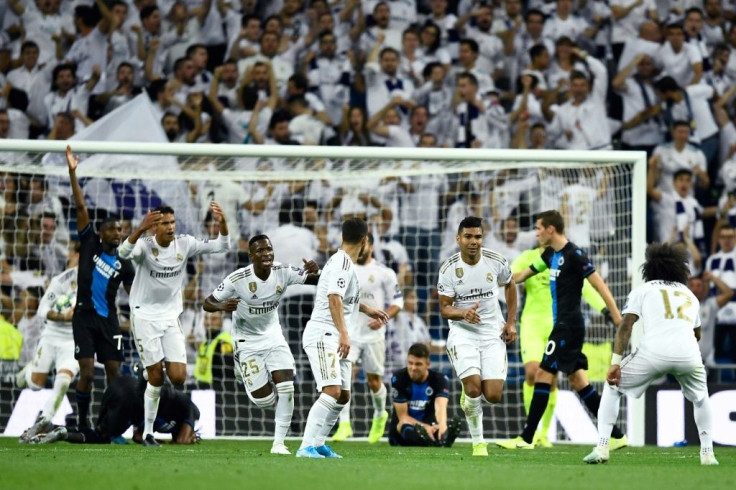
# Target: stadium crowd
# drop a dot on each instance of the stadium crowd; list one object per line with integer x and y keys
{"x": 586, "y": 75}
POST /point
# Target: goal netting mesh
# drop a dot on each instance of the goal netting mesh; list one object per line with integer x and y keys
{"x": 412, "y": 198}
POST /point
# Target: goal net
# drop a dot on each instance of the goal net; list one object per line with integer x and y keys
{"x": 413, "y": 199}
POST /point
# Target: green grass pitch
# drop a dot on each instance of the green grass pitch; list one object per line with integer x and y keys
{"x": 224, "y": 464}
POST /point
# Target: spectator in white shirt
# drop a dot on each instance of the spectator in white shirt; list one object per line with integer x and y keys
{"x": 668, "y": 158}
{"x": 680, "y": 60}
{"x": 530, "y": 36}
{"x": 90, "y": 48}
{"x": 245, "y": 43}
{"x": 66, "y": 96}
{"x": 304, "y": 126}
{"x": 627, "y": 17}
{"x": 384, "y": 32}
{"x": 565, "y": 23}
{"x": 43, "y": 23}
{"x": 476, "y": 117}
{"x": 282, "y": 67}
{"x": 33, "y": 78}
{"x": 714, "y": 23}
{"x": 677, "y": 212}
{"x": 490, "y": 46}
{"x": 353, "y": 127}
{"x": 436, "y": 97}
{"x": 648, "y": 42}
{"x": 386, "y": 123}
{"x": 468, "y": 63}
{"x": 383, "y": 82}
{"x": 693, "y": 27}
{"x": 330, "y": 76}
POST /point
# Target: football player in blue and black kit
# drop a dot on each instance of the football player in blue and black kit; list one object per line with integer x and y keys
{"x": 122, "y": 406}
{"x": 95, "y": 322}
{"x": 568, "y": 267}
{"x": 420, "y": 404}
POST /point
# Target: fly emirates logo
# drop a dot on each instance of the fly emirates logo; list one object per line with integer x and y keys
{"x": 107, "y": 270}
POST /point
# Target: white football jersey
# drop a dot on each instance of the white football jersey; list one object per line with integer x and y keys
{"x": 161, "y": 271}
{"x": 668, "y": 313}
{"x": 64, "y": 283}
{"x": 337, "y": 277}
{"x": 479, "y": 283}
{"x": 379, "y": 288}
{"x": 580, "y": 201}
{"x": 257, "y": 314}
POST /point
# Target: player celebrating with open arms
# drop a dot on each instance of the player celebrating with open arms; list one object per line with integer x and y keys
{"x": 156, "y": 298}
{"x": 100, "y": 272}
{"x": 326, "y": 340}
{"x": 468, "y": 288}
{"x": 568, "y": 268}
{"x": 253, "y": 294}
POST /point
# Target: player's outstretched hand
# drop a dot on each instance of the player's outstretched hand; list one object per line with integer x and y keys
{"x": 230, "y": 304}
{"x": 471, "y": 314}
{"x": 614, "y": 375}
{"x": 217, "y": 212}
{"x": 151, "y": 219}
{"x": 509, "y": 334}
{"x": 310, "y": 266}
{"x": 71, "y": 159}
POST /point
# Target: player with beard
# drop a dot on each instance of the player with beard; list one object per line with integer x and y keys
{"x": 262, "y": 355}
{"x": 379, "y": 288}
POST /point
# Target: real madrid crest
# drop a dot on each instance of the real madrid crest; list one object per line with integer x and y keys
{"x": 179, "y": 257}
{"x": 253, "y": 287}
{"x": 74, "y": 284}
{"x": 278, "y": 289}
{"x": 489, "y": 277}
{"x": 154, "y": 251}
{"x": 459, "y": 272}
{"x": 371, "y": 278}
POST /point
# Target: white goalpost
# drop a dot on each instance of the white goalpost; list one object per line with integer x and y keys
{"x": 413, "y": 198}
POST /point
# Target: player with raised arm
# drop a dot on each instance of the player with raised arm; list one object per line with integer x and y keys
{"x": 55, "y": 347}
{"x": 536, "y": 324}
{"x": 670, "y": 319}
{"x": 253, "y": 294}
{"x": 568, "y": 268}
{"x": 326, "y": 340}
{"x": 156, "y": 298}
{"x": 379, "y": 288}
{"x": 100, "y": 272}
{"x": 468, "y": 288}
{"x": 122, "y": 406}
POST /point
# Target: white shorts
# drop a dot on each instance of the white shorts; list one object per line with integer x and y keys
{"x": 255, "y": 362}
{"x": 484, "y": 357}
{"x": 639, "y": 370}
{"x": 55, "y": 351}
{"x": 158, "y": 340}
{"x": 327, "y": 367}
{"x": 371, "y": 354}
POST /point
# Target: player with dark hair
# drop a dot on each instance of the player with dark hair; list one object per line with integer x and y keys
{"x": 326, "y": 341}
{"x": 420, "y": 404}
{"x": 568, "y": 267}
{"x": 468, "y": 288}
{"x": 100, "y": 272}
{"x": 253, "y": 294}
{"x": 156, "y": 298}
{"x": 670, "y": 319}
{"x": 122, "y": 406}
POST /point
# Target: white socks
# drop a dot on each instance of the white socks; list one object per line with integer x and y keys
{"x": 379, "y": 402}
{"x": 345, "y": 413}
{"x": 704, "y": 422}
{"x": 474, "y": 416}
{"x": 607, "y": 414}
{"x": 316, "y": 419}
{"x": 328, "y": 425}
{"x": 61, "y": 385}
{"x": 284, "y": 410}
{"x": 150, "y": 407}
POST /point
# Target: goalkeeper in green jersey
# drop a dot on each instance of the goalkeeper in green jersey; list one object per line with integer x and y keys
{"x": 535, "y": 327}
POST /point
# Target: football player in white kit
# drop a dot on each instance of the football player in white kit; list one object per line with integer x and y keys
{"x": 156, "y": 298}
{"x": 326, "y": 340}
{"x": 379, "y": 288}
{"x": 670, "y": 319}
{"x": 55, "y": 349}
{"x": 253, "y": 294}
{"x": 469, "y": 286}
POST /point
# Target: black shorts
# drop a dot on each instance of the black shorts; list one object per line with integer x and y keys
{"x": 94, "y": 334}
{"x": 564, "y": 350}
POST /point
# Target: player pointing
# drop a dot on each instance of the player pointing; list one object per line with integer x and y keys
{"x": 156, "y": 298}
{"x": 670, "y": 319}
{"x": 253, "y": 294}
{"x": 468, "y": 290}
{"x": 326, "y": 340}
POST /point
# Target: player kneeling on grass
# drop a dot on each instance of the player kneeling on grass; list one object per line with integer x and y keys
{"x": 55, "y": 348}
{"x": 122, "y": 406}
{"x": 253, "y": 294}
{"x": 420, "y": 404}
{"x": 670, "y": 319}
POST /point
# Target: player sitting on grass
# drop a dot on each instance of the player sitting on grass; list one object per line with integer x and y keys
{"x": 420, "y": 404}
{"x": 670, "y": 319}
